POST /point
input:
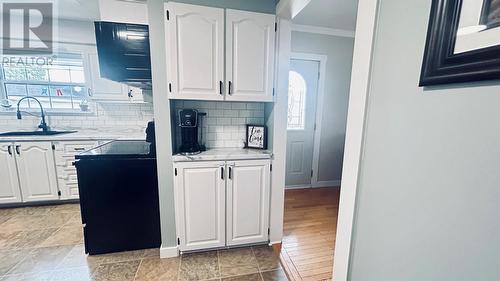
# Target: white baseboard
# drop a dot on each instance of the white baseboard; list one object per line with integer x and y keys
{"x": 334, "y": 183}
{"x": 168, "y": 252}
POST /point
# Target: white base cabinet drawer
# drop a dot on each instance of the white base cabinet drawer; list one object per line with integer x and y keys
{"x": 66, "y": 173}
{"x": 220, "y": 203}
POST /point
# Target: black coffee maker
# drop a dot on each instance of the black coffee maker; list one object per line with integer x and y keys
{"x": 190, "y": 120}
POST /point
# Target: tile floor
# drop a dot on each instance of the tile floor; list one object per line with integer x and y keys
{"x": 45, "y": 244}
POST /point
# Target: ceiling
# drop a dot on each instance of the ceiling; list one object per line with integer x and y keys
{"x": 78, "y": 9}
{"x": 337, "y": 14}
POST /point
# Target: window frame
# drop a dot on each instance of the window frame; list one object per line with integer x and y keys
{"x": 81, "y": 49}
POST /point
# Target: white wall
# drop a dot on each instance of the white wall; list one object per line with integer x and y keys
{"x": 338, "y": 76}
{"x": 428, "y": 199}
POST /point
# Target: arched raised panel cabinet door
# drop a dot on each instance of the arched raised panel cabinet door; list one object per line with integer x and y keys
{"x": 195, "y": 51}
{"x": 250, "y": 41}
{"x": 248, "y": 191}
{"x": 200, "y": 205}
{"x": 37, "y": 173}
{"x": 9, "y": 188}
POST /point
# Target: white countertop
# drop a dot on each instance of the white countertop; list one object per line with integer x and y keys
{"x": 80, "y": 135}
{"x": 223, "y": 154}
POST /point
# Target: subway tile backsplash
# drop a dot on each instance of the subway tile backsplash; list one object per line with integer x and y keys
{"x": 108, "y": 117}
{"x": 225, "y": 123}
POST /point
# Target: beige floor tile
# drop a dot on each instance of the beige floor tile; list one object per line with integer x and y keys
{"x": 9, "y": 258}
{"x": 155, "y": 269}
{"x": 42, "y": 259}
{"x": 237, "y": 262}
{"x": 249, "y": 277}
{"x": 74, "y": 274}
{"x": 266, "y": 258}
{"x": 199, "y": 266}
{"x": 25, "y": 239}
{"x": 117, "y": 257}
{"x": 66, "y": 208}
{"x": 274, "y": 275}
{"x": 77, "y": 258}
{"x": 68, "y": 235}
{"x": 122, "y": 271}
{"x": 39, "y": 276}
{"x": 152, "y": 253}
{"x": 74, "y": 220}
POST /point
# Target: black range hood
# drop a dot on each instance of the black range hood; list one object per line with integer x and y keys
{"x": 124, "y": 54}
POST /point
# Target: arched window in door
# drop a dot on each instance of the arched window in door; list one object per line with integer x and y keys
{"x": 296, "y": 101}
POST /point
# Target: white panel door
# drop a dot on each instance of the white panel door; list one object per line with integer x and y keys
{"x": 250, "y": 40}
{"x": 9, "y": 187}
{"x": 247, "y": 200}
{"x": 302, "y": 99}
{"x": 37, "y": 172}
{"x": 200, "y": 205}
{"x": 195, "y": 51}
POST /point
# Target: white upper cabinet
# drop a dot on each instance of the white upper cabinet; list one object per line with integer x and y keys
{"x": 200, "y": 205}
{"x": 195, "y": 51}
{"x": 247, "y": 201}
{"x": 212, "y": 56}
{"x": 37, "y": 173}
{"x": 9, "y": 188}
{"x": 124, "y": 11}
{"x": 250, "y": 50}
{"x": 104, "y": 89}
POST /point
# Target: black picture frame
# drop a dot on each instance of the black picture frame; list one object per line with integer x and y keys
{"x": 440, "y": 64}
{"x": 249, "y": 143}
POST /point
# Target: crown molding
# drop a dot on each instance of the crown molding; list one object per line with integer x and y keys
{"x": 323, "y": 30}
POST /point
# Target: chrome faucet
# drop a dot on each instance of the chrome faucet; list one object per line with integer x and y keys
{"x": 43, "y": 124}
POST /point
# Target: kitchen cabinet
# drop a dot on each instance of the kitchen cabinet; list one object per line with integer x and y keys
{"x": 9, "y": 189}
{"x": 247, "y": 199}
{"x": 36, "y": 170}
{"x": 249, "y": 56}
{"x": 102, "y": 88}
{"x": 212, "y": 56}
{"x": 221, "y": 203}
{"x": 64, "y": 153}
{"x": 195, "y": 51}
{"x": 200, "y": 205}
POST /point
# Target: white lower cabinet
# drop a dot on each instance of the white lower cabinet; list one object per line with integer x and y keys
{"x": 200, "y": 205}
{"x": 221, "y": 204}
{"x": 247, "y": 200}
{"x": 36, "y": 170}
{"x": 9, "y": 188}
{"x": 64, "y": 153}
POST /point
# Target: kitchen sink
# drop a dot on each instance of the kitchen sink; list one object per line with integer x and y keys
{"x": 35, "y": 133}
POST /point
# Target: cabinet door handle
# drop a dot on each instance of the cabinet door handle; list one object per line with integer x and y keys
{"x": 221, "y": 85}
{"x": 9, "y": 149}
{"x": 17, "y": 150}
{"x": 229, "y": 87}
{"x": 222, "y": 173}
{"x": 79, "y": 148}
{"x": 230, "y": 173}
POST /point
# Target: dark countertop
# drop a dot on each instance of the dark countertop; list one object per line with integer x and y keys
{"x": 119, "y": 149}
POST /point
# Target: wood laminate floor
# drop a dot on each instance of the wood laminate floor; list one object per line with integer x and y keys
{"x": 310, "y": 225}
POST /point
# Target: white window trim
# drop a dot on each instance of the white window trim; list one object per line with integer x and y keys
{"x": 85, "y": 50}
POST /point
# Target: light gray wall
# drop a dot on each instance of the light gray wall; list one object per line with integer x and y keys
{"x": 428, "y": 205}
{"x": 338, "y": 77}
{"x": 261, "y": 6}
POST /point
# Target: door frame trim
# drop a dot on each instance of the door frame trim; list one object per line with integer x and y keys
{"x": 318, "y": 115}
